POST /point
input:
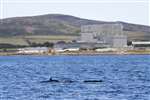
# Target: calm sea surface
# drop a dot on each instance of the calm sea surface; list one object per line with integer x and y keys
{"x": 125, "y": 77}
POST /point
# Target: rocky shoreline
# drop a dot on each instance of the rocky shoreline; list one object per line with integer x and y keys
{"x": 128, "y": 52}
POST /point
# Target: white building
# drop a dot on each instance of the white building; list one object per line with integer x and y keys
{"x": 87, "y": 37}
{"x": 67, "y": 49}
{"x": 119, "y": 41}
{"x": 105, "y": 49}
{"x": 62, "y": 47}
{"x": 141, "y": 43}
{"x": 103, "y": 29}
{"x": 33, "y": 50}
{"x": 111, "y": 34}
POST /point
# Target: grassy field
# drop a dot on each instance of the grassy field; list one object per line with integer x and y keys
{"x": 22, "y": 40}
{"x": 13, "y": 40}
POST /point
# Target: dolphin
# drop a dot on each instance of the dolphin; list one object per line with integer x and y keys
{"x": 92, "y": 81}
{"x": 50, "y": 80}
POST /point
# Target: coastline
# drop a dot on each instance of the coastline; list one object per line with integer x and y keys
{"x": 128, "y": 52}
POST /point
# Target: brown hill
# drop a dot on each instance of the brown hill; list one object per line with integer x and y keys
{"x": 57, "y": 24}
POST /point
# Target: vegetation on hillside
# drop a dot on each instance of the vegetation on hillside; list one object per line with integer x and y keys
{"x": 57, "y": 24}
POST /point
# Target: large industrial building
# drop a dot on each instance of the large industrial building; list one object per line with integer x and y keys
{"x": 97, "y": 36}
{"x": 111, "y": 34}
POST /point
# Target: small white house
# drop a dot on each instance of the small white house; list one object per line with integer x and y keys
{"x": 33, "y": 50}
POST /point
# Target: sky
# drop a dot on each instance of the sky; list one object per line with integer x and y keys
{"x": 132, "y": 11}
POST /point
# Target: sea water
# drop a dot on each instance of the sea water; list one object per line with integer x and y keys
{"x": 124, "y": 77}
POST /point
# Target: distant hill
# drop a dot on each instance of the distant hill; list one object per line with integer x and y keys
{"x": 58, "y": 24}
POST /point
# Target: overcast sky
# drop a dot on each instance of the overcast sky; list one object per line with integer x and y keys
{"x": 133, "y": 11}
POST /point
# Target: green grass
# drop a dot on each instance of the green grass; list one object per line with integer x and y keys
{"x": 22, "y": 40}
{"x": 13, "y": 40}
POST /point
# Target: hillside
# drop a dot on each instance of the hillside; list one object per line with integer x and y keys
{"x": 57, "y": 24}
{"x": 53, "y": 24}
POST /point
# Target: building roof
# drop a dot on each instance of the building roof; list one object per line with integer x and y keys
{"x": 34, "y": 48}
{"x": 140, "y": 42}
